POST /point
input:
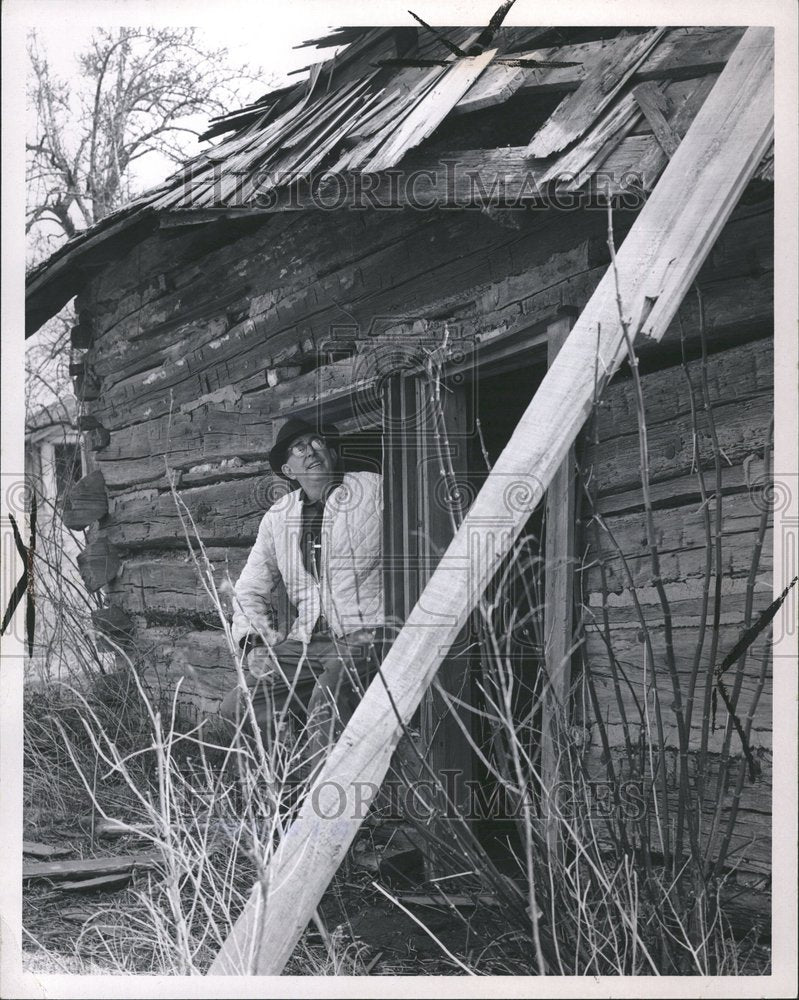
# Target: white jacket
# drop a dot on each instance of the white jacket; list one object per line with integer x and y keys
{"x": 350, "y": 591}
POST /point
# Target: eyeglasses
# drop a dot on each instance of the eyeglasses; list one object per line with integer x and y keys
{"x": 301, "y": 448}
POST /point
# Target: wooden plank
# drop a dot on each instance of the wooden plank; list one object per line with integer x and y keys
{"x": 576, "y": 165}
{"x": 663, "y": 252}
{"x": 684, "y": 52}
{"x": 100, "y": 882}
{"x": 428, "y": 113}
{"x": 655, "y": 106}
{"x": 577, "y": 112}
{"x": 93, "y": 867}
{"x": 43, "y": 850}
{"x": 685, "y": 104}
{"x": 560, "y": 558}
{"x": 498, "y": 84}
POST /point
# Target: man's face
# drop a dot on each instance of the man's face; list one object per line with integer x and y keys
{"x": 309, "y": 461}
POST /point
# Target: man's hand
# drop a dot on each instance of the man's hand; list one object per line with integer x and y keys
{"x": 261, "y": 628}
{"x": 261, "y": 662}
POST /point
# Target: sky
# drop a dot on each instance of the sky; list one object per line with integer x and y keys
{"x": 261, "y": 33}
{"x": 64, "y": 27}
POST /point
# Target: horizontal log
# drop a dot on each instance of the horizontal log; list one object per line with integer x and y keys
{"x": 98, "y": 564}
{"x": 172, "y": 582}
{"x": 681, "y": 538}
{"x": 738, "y": 373}
{"x": 685, "y": 598}
{"x": 750, "y": 846}
{"x": 684, "y": 489}
{"x": 224, "y": 514}
{"x": 644, "y": 677}
{"x": 85, "y": 502}
{"x": 115, "y": 624}
{"x": 681, "y": 445}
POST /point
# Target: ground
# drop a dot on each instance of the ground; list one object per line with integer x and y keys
{"x": 74, "y": 930}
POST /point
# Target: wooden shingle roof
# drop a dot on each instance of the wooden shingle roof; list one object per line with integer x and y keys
{"x": 578, "y": 111}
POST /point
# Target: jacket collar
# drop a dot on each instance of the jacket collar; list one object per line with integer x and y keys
{"x": 334, "y": 484}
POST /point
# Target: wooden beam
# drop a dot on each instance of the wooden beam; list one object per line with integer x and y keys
{"x": 655, "y": 266}
{"x": 86, "y": 502}
{"x": 558, "y": 600}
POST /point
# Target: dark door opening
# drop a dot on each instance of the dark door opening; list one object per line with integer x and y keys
{"x": 507, "y": 676}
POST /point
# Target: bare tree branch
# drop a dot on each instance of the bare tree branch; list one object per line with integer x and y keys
{"x": 135, "y": 95}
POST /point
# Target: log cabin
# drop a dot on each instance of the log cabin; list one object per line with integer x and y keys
{"x": 402, "y": 244}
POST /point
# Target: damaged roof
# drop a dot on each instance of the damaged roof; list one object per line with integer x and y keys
{"x": 544, "y": 109}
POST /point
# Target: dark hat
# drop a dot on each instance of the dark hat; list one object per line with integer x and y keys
{"x": 293, "y": 428}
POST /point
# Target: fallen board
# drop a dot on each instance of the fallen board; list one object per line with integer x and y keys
{"x": 91, "y": 867}
{"x": 100, "y": 882}
{"x": 44, "y": 850}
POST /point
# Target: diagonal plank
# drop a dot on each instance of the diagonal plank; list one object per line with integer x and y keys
{"x": 661, "y": 256}
{"x": 579, "y": 110}
{"x": 431, "y": 110}
{"x": 653, "y": 102}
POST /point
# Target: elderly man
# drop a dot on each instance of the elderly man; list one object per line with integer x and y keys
{"x": 324, "y": 542}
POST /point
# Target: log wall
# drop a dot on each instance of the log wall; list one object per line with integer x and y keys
{"x": 709, "y": 476}
{"x": 204, "y": 337}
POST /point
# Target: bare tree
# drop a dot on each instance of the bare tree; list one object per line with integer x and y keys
{"x": 138, "y": 92}
{"x": 135, "y": 95}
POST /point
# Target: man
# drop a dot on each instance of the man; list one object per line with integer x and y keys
{"x": 323, "y": 540}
